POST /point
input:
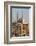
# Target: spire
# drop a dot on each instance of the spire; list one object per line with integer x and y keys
{"x": 22, "y": 15}
{"x": 17, "y": 16}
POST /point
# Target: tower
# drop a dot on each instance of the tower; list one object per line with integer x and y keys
{"x": 22, "y": 16}
{"x": 17, "y": 17}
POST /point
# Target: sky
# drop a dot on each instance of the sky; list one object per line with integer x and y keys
{"x": 20, "y": 11}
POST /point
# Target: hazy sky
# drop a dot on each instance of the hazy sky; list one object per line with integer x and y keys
{"x": 20, "y": 10}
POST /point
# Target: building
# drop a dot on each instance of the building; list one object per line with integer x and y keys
{"x": 20, "y": 29}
